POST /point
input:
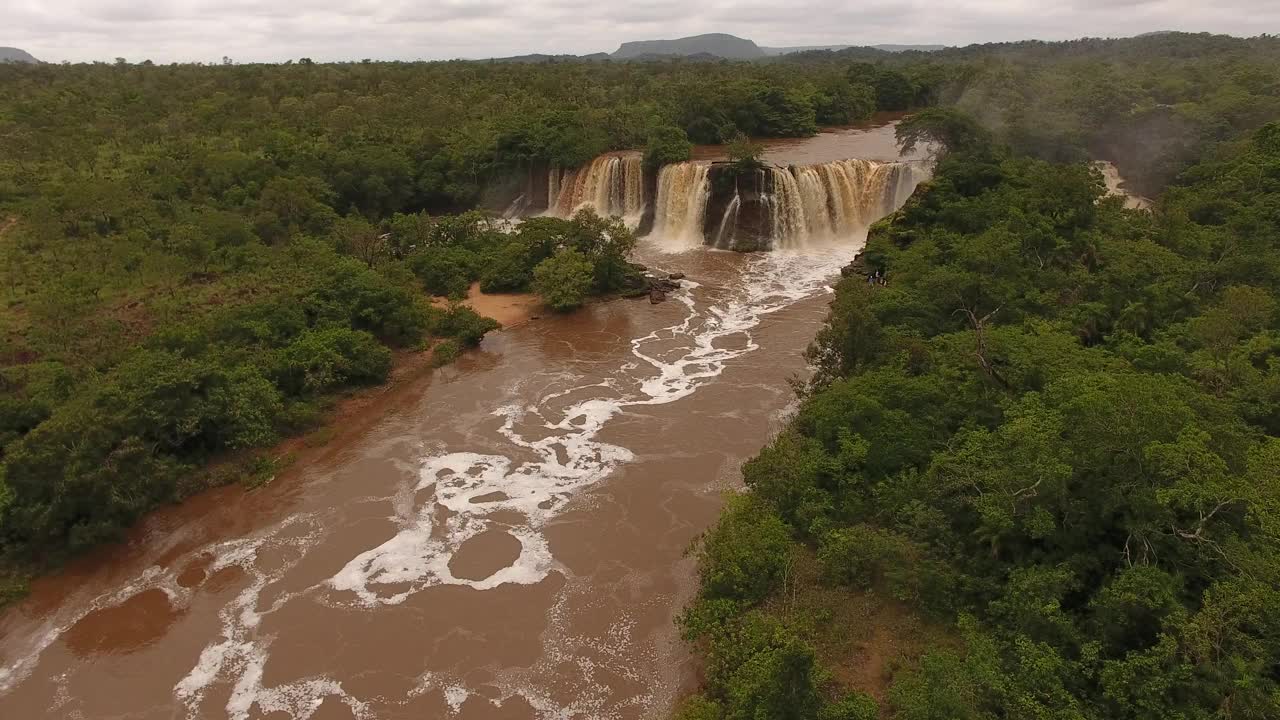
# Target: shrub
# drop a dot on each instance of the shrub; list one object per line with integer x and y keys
{"x": 463, "y": 324}
{"x": 321, "y": 360}
{"x": 854, "y": 706}
{"x": 865, "y": 558}
{"x": 760, "y": 669}
{"x": 745, "y": 155}
{"x": 858, "y": 556}
{"x": 78, "y": 480}
{"x": 564, "y": 280}
{"x": 351, "y": 294}
{"x": 445, "y": 271}
{"x": 667, "y": 144}
{"x": 188, "y": 404}
{"x": 699, "y": 707}
{"x": 509, "y": 269}
{"x": 445, "y": 352}
{"x": 746, "y": 554}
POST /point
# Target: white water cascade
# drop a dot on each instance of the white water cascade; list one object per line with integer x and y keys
{"x": 681, "y": 205}
{"x": 612, "y": 185}
{"x": 837, "y": 199}
{"x": 779, "y": 207}
{"x": 728, "y": 221}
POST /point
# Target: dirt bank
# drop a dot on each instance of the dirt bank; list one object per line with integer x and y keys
{"x": 510, "y": 309}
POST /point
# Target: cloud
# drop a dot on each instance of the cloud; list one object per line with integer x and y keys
{"x": 256, "y": 30}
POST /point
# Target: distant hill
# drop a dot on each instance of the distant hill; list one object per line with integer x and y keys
{"x": 8, "y": 54}
{"x": 709, "y": 47}
{"x": 541, "y": 58}
{"x": 771, "y": 51}
{"x": 836, "y": 48}
{"x": 717, "y": 44}
{"x": 905, "y": 48}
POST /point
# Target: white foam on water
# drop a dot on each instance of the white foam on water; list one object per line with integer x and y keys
{"x": 558, "y": 431}
{"x": 569, "y": 455}
{"x": 241, "y": 654}
{"x": 454, "y": 696}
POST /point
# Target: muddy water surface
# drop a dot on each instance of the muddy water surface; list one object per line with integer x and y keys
{"x": 507, "y": 541}
{"x": 872, "y": 140}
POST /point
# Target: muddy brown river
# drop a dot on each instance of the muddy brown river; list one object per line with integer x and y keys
{"x": 507, "y": 540}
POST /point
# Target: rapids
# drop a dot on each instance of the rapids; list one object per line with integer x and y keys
{"x": 503, "y": 538}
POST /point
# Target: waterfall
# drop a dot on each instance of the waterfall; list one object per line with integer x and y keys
{"x": 517, "y": 207}
{"x": 728, "y": 220}
{"x": 837, "y": 199}
{"x": 681, "y": 205}
{"x": 772, "y": 207}
{"x": 613, "y": 184}
{"x": 787, "y": 204}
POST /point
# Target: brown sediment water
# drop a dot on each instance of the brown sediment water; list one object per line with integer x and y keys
{"x": 507, "y": 538}
{"x": 872, "y": 140}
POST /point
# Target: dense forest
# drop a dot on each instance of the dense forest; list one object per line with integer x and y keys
{"x": 195, "y": 259}
{"x": 1037, "y": 473}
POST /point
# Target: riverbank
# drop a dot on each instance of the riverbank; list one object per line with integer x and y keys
{"x": 509, "y": 309}
{"x": 348, "y": 416}
{"x": 278, "y": 551}
{"x": 524, "y": 513}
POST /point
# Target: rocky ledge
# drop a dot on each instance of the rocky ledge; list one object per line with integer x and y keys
{"x": 644, "y": 283}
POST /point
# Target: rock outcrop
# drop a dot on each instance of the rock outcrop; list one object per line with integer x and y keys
{"x": 643, "y": 283}
{"x": 739, "y": 211}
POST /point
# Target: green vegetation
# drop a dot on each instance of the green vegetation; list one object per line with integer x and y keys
{"x": 745, "y": 155}
{"x": 203, "y": 256}
{"x": 1052, "y": 439}
{"x": 563, "y": 280}
{"x": 667, "y": 145}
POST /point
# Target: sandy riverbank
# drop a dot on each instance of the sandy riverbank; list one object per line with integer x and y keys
{"x": 510, "y": 309}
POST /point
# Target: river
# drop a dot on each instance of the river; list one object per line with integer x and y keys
{"x": 507, "y": 540}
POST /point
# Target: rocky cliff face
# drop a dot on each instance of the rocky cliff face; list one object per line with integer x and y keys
{"x": 740, "y": 209}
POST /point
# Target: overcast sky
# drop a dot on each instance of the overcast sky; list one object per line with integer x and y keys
{"x": 254, "y": 30}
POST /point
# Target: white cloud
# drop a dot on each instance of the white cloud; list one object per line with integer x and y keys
{"x": 254, "y": 30}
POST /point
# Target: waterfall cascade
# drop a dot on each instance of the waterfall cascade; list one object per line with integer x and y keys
{"x": 729, "y": 220}
{"x": 681, "y": 204}
{"x": 613, "y": 184}
{"x": 694, "y": 203}
{"x": 778, "y": 207}
{"x": 837, "y": 199}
